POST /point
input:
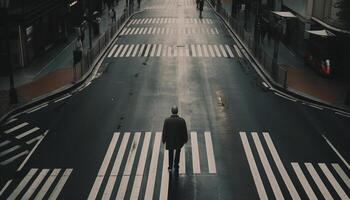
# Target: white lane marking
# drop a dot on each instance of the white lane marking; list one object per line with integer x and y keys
{"x": 182, "y": 167}
{"x": 112, "y": 51}
{"x": 150, "y": 30}
{"x": 145, "y": 31}
{"x": 216, "y": 30}
{"x": 230, "y": 53}
{"x": 212, "y": 31}
{"x": 154, "y": 47}
{"x": 217, "y": 50}
{"x": 253, "y": 168}
{"x": 199, "y": 49}
{"x": 132, "y": 31}
{"x": 140, "y": 167}
{"x": 32, "y": 151}
{"x": 153, "y": 167}
{"x": 27, "y": 133}
{"x": 193, "y": 50}
{"x": 265, "y": 85}
{"x": 154, "y": 30}
{"x": 47, "y": 184}
{"x": 158, "y": 30}
{"x": 15, "y": 157}
{"x": 115, "y": 170}
{"x": 147, "y": 50}
{"x": 124, "y": 50}
{"x": 165, "y": 48}
{"x": 62, "y": 98}
{"x": 37, "y": 108}
{"x": 195, "y": 153}
{"x": 337, "y": 152}
{"x": 163, "y": 31}
{"x": 285, "y": 97}
{"x": 223, "y": 50}
{"x": 147, "y": 21}
{"x": 154, "y": 20}
{"x": 293, "y": 192}
{"x": 342, "y": 174}
{"x": 141, "y": 50}
{"x": 16, "y": 128}
{"x": 4, "y": 143}
{"x": 130, "y": 50}
{"x": 167, "y": 31}
{"x": 313, "y": 106}
{"x": 5, "y": 187}
{"x": 210, "y": 152}
{"x": 123, "y": 32}
{"x": 118, "y": 50}
{"x": 165, "y": 177}
{"x": 10, "y": 121}
{"x": 181, "y": 52}
{"x": 318, "y": 181}
{"x": 60, "y": 184}
{"x": 169, "y": 51}
{"x": 35, "y": 184}
{"x": 212, "y": 54}
{"x": 238, "y": 51}
{"x": 138, "y": 21}
{"x": 23, "y": 183}
{"x": 344, "y": 115}
{"x": 127, "y": 171}
{"x": 102, "y": 171}
{"x": 159, "y": 50}
{"x": 142, "y": 21}
{"x": 9, "y": 150}
{"x": 135, "y": 50}
{"x": 175, "y": 51}
{"x": 308, "y": 190}
{"x": 266, "y": 165}
{"x": 127, "y": 31}
{"x": 333, "y": 181}
{"x": 137, "y": 31}
{"x": 158, "y": 19}
{"x": 205, "y": 50}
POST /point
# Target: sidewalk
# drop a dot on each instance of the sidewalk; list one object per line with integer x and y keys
{"x": 51, "y": 71}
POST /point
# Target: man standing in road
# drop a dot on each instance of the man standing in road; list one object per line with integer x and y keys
{"x": 174, "y": 136}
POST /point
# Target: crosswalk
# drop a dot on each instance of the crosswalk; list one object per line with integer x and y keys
{"x": 164, "y": 50}
{"x": 37, "y": 184}
{"x": 169, "y": 30}
{"x": 17, "y": 139}
{"x": 316, "y": 181}
{"x": 169, "y": 20}
{"x": 172, "y": 4}
{"x": 135, "y": 164}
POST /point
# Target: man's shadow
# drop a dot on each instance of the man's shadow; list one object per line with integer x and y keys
{"x": 174, "y": 190}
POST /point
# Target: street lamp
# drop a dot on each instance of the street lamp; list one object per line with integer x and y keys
{"x": 4, "y": 4}
{"x": 280, "y": 15}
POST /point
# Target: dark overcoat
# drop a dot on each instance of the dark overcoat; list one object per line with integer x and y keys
{"x": 174, "y": 132}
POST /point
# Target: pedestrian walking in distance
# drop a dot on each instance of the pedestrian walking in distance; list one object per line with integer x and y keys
{"x": 197, "y": 3}
{"x": 113, "y": 15}
{"x": 174, "y": 136}
{"x": 201, "y": 5}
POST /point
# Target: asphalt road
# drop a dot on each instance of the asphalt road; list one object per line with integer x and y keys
{"x": 245, "y": 141}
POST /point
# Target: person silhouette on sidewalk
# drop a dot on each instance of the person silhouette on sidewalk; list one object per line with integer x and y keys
{"x": 201, "y": 6}
{"x": 174, "y": 136}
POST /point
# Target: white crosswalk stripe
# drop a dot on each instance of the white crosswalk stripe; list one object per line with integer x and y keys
{"x": 40, "y": 182}
{"x": 315, "y": 180}
{"x": 167, "y": 30}
{"x": 146, "y": 151}
{"x": 169, "y": 20}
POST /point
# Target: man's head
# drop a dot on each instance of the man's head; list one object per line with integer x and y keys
{"x": 174, "y": 110}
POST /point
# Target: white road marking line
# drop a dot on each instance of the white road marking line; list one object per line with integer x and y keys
{"x": 147, "y": 20}
{"x": 159, "y": 50}
{"x": 142, "y": 21}
{"x": 138, "y": 21}
{"x": 124, "y": 50}
{"x": 193, "y": 50}
{"x": 265, "y": 85}
{"x": 112, "y": 51}
{"x": 134, "y": 21}
{"x": 169, "y": 51}
{"x": 60, "y": 184}
{"x": 223, "y": 50}
{"x": 182, "y": 167}
{"x": 344, "y": 115}
{"x": 150, "y": 30}
{"x": 337, "y": 152}
{"x": 195, "y": 153}
{"x": 210, "y": 152}
{"x": 285, "y": 97}
{"x": 333, "y": 181}
{"x": 16, "y": 128}
{"x": 181, "y": 52}
{"x": 127, "y": 31}
{"x": 175, "y": 51}
{"x": 238, "y": 51}
{"x": 62, "y": 98}
{"x": 165, "y": 177}
{"x": 4, "y": 143}
{"x": 154, "y": 30}
{"x": 135, "y": 50}
{"x": 102, "y": 171}
{"x": 47, "y": 184}
{"x": 9, "y": 150}
{"x": 141, "y": 50}
{"x": 163, "y": 30}
{"x": 5, "y": 187}
{"x": 308, "y": 190}
{"x": 318, "y": 181}
{"x": 140, "y": 167}
{"x": 212, "y": 54}
{"x": 217, "y": 51}
{"x": 115, "y": 170}
{"x": 147, "y": 50}
{"x": 136, "y": 31}
{"x": 154, "y": 47}
{"x": 253, "y": 168}
{"x": 187, "y": 51}
{"x": 145, "y": 31}
{"x": 267, "y": 168}
{"x": 10, "y": 121}
{"x": 158, "y": 31}
{"x": 342, "y": 174}
{"x": 165, "y": 48}
{"x": 199, "y": 50}
{"x": 22, "y": 184}
{"x": 167, "y": 31}
{"x": 127, "y": 171}
{"x": 35, "y": 184}
{"x": 313, "y": 106}
{"x": 118, "y": 50}
{"x": 10, "y": 160}
{"x": 154, "y": 20}
{"x": 130, "y": 50}
{"x": 123, "y": 32}
{"x": 293, "y": 192}
{"x": 216, "y": 30}
{"x": 229, "y": 51}
{"x": 153, "y": 168}
{"x": 132, "y": 31}
{"x": 141, "y": 31}
{"x": 158, "y": 19}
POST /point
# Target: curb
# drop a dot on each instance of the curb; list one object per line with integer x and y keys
{"x": 267, "y": 78}
{"x": 68, "y": 88}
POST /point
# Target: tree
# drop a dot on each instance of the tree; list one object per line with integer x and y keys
{"x": 344, "y": 12}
